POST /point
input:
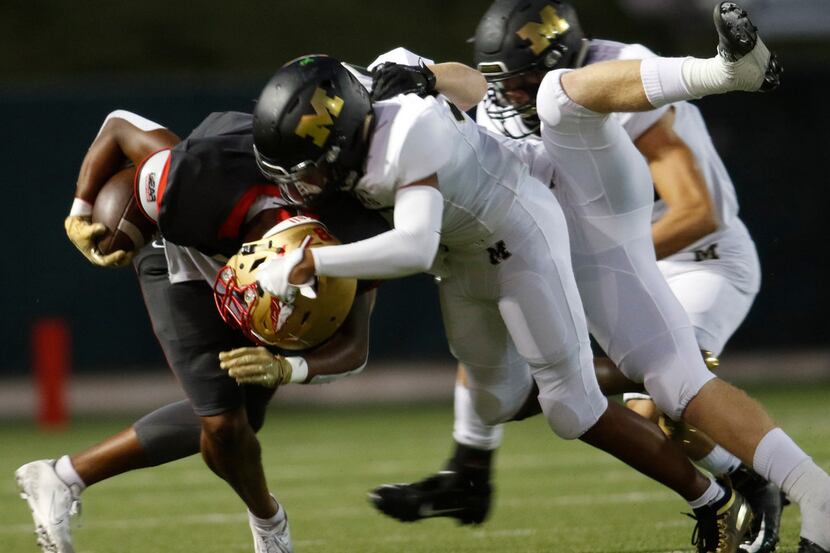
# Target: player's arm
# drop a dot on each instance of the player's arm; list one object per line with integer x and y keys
{"x": 124, "y": 137}
{"x": 409, "y": 248}
{"x": 462, "y": 85}
{"x": 690, "y": 214}
{"x": 345, "y": 353}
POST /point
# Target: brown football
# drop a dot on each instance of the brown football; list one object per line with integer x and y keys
{"x": 127, "y": 228}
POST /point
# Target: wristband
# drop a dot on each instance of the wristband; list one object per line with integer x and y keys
{"x": 80, "y": 208}
{"x": 299, "y": 369}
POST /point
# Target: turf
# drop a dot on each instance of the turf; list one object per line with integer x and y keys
{"x": 553, "y": 496}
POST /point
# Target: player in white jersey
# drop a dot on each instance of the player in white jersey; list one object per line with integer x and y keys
{"x": 465, "y": 207}
{"x": 704, "y": 249}
{"x": 218, "y": 200}
{"x": 603, "y": 185}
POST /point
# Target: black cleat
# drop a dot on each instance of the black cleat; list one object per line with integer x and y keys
{"x": 806, "y": 546}
{"x": 446, "y": 494}
{"x": 738, "y": 39}
{"x": 765, "y": 499}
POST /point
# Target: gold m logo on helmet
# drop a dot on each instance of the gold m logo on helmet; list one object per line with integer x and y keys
{"x": 540, "y": 34}
{"x": 317, "y": 126}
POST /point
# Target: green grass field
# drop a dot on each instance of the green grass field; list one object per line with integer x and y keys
{"x": 552, "y": 496}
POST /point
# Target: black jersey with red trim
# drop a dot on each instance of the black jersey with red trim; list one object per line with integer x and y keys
{"x": 211, "y": 183}
{"x": 213, "y": 180}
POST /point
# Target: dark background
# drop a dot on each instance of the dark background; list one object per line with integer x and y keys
{"x": 64, "y": 66}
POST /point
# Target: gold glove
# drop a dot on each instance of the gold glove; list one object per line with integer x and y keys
{"x": 82, "y": 233}
{"x": 256, "y": 366}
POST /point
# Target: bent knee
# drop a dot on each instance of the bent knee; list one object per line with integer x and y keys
{"x": 673, "y": 390}
{"x": 228, "y": 427}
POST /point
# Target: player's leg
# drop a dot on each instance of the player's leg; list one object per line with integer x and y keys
{"x": 743, "y": 63}
{"x": 542, "y": 309}
{"x": 228, "y": 442}
{"x": 729, "y": 416}
{"x": 496, "y": 384}
{"x": 716, "y": 308}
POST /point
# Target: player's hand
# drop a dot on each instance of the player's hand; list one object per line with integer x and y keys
{"x": 273, "y": 276}
{"x": 390, "y": 79}
{"x": 82, "y": 232}
{"x": 256, "y": 365}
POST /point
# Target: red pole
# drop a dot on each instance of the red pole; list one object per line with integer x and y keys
{"x": 51, "y": 364}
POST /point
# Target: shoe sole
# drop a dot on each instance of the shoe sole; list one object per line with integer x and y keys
{"x": 737, "y": 37}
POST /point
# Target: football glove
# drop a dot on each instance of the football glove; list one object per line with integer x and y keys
{"x": 273, "y": 275}
{"x": 256, "y": 365}
{"x": 390, "y": 79}
{"x": 82, "y": 232}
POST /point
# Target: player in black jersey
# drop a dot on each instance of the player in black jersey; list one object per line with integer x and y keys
{"x": 207, "y": 197}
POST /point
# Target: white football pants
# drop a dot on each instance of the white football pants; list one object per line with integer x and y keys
{"x": 513, "y": 315}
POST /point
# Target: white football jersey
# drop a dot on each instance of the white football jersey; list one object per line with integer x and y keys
{"x": 478, "y": 175}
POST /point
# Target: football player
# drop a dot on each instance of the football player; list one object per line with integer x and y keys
{"x": 466, "y": 207}
{"x": 207, "y": 197}
{"x": 703, "y": 248}
{"x": 608, "y": 218}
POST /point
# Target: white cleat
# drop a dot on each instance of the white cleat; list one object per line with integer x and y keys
{"x": 52, "y": 502}
{"x": 275, "y": 540}
{"x": 749, "y": 63}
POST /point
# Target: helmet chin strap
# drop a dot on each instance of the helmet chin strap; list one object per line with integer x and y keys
{"x": 582, "y": 54}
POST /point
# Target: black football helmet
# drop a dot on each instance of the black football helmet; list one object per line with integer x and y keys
{"x": 309, "y": 127}
{"x": 525, "y": 38}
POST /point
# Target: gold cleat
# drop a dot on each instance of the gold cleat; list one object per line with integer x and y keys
{"x": 723, "y": 529}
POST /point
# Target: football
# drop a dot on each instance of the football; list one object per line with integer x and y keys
{"x": 127, "y": 228}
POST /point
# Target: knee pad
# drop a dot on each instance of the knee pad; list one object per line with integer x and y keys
{"x": 672, "y": 368}
{"x": 672, "y": 389}
{"x": 497, "y": 393}
{"x": 569, "y": 394}
{"x": 494, "y": 408}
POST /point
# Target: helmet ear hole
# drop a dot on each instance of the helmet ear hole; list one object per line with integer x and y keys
{"x": 264, "y": 318}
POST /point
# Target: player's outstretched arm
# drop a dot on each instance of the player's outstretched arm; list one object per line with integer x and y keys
{"x": 690, "y": 214}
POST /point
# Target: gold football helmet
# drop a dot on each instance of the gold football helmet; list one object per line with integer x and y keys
{"x": 302, "y": 324}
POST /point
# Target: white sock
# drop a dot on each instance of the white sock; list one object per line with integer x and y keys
{"x": 809, "y": 486}
{"x": 719, "y": 462}
{"x": 67, "y": 473}
{"x": 776, "y": 456}
{"x": 779, "y": 460}
{"x": 266, "y": 524}
{"x": 712, "y": 494}
{"x": 663, "y": 81}
{"x": 668, "y": 80}
{"x": 468, "y": 428}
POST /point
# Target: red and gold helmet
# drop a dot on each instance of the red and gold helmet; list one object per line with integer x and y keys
{"x": 264, "y": 318}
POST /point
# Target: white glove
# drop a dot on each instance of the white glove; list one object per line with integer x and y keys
{"x": 273, "y": 276}
{"x": 256, "y": 365}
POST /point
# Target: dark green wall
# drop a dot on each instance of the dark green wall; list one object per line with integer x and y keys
{"x": 64, "y": 66}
